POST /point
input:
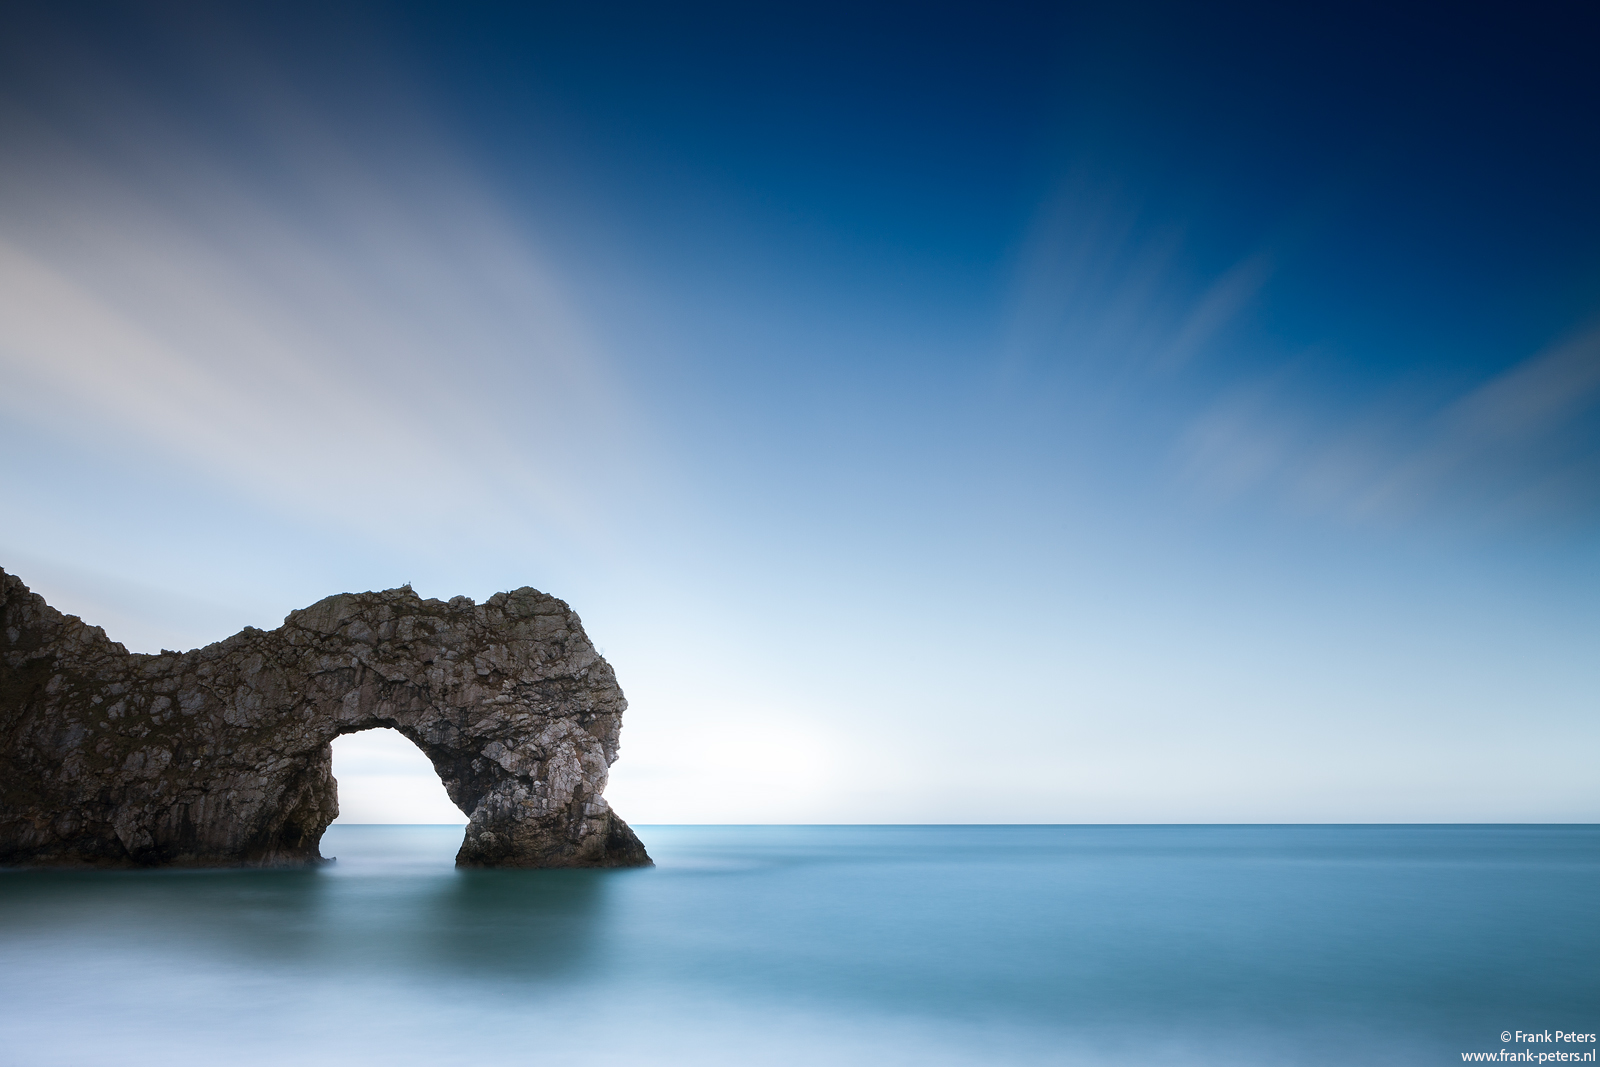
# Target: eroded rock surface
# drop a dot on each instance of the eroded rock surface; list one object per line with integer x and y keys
{"x": 221, "y": 756}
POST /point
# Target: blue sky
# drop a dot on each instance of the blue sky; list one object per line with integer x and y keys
{"x": 1109, "y": 412}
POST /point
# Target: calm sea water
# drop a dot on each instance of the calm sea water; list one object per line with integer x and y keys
{"x": 824, "y": 945}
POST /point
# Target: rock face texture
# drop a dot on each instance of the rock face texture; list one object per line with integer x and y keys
{"x": 221, "y": 756}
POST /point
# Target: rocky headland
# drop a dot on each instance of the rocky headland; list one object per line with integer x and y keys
{"x": 221, "y": 756}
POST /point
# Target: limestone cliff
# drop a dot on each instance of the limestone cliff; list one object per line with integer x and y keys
{"x": 221, "y": 756}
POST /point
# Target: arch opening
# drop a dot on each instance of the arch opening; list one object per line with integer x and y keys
{"x": 383, "y": 777}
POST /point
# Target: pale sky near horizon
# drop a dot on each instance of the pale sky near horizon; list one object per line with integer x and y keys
{"x": 1002, "y": 413}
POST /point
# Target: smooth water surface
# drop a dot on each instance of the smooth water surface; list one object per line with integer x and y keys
{"x": 824, "y": 945}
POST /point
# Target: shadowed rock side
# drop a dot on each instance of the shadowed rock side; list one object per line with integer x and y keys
{"x": 221, "y": 756}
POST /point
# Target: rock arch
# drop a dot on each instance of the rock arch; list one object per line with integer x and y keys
{"x": 222, "y": 756}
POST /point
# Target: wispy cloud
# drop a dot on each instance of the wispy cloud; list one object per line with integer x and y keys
{"x": 1523, "y": 444}
{"x": 1102, "y": 293}
{"x": 1128, "y": 351}
{"x": 341, "y": 324}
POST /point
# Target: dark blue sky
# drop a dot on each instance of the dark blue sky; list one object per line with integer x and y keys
{"x": 1211, "y": 394}
{"x": 1425, "y": 175}
{"x": 1414, "y": 184}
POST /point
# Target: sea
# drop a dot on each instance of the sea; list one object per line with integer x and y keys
{"x": 823, "y": 945}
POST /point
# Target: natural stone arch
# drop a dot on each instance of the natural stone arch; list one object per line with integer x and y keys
{"x": 222, "y": 755}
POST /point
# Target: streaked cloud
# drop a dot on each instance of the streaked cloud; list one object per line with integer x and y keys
{"x": 1103, "y": 293}
{"x": 1119, "y": 340}
{"x": 1522, "y": 445}
{"x": 354, "y": 328}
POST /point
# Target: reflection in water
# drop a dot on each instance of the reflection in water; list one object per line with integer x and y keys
{"x": 799, "y": 945}
{"x": 528, "y": 925}
{"x": 255, "y": 917}
{"x": 386, "y": 907}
